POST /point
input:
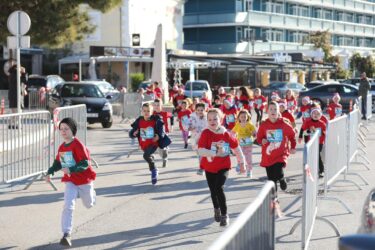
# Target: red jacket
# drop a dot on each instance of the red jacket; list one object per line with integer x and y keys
{"x": 208, "y": 140}
{"x": 310, "y": 124}
{"x": 334, "y": 110}
{"x": 278, "y": 134}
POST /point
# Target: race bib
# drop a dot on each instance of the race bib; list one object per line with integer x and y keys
{"x": 215, "y": 147}
{"x": 275, "y": 135}
{"x": 240, "y": 105}
{"x": 229, "y": 118}
{"x": 290, "y": 104}
{"x": 67, "y": 159}
{"x": 258, "y": 102}
{"x": 306, "y": 114}
{"x": 185, "y": 121}
{"x": 251, "y": 103}
{"x": 246, "y": 141}
{"x": 147, "y": 133}
{"x": 338, "y": 111}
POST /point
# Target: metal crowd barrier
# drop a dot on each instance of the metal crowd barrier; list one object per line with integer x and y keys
{"x": 255, "y": 226}
{"x": 129, "y": 105}
{"x": 37, "y": 100}
{"x": 24, "y": 146}
{"x": 310, "y": 192}
{"x": 369, "y": 106}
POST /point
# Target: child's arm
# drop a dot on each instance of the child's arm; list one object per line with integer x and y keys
{"x": 133, "y": 133}
{"x": 56, "y": 166}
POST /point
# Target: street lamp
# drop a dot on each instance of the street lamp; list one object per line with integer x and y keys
{"x": 250, "y": 37}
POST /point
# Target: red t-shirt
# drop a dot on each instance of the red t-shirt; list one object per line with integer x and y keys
{"x": 324, "y": 119}
{"x": 172, "y": 94}
{"x": 146, "y": 133}
{"x": 209, "y": 140}
{"x": 258, "y": 102}
{"x": 287, "y": 115}
{"x": 317, "y": 124}
{"x": 243, "y": 101}
{"x": 70, "y": 155}
{"x": 164, "y": 115}
{"x": 230, "y": 116}
{"x": 291, "y": 104}
{"x": 207, "y": 103}
{"x": 158, "y": 92}
{"x": 278, "y": 134}
{"x": 222, "y": 96}
{"x": 334, "y": 110}
{"x": 184, "y": 116}
{"x": 178, "y": 99}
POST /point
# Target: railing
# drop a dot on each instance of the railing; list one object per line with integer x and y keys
{"x": 254, "y": 227}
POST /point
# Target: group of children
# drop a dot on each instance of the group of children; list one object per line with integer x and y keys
{"x": 218, "y": 130}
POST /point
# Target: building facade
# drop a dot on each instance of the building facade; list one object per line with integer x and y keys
{"x": 251, "y": 26}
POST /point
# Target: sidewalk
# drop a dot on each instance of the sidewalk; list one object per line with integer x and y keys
{"x": 175, "y": 214}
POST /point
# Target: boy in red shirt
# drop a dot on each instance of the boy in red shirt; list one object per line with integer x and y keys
{"x": 74, "y": 160}
{"x": 150, "y": 132}
{"x": 305, "y": 108}
{"x": 230, "y": 113}
{"x": 158, "y": 110}
{"x": 291, "y": 101}
{"x": 311, "y": 125}
{"x": 286, "y": 114}
{"x": 259, "y": 102}
{"x": 158, "y": 91}
{"x": 184, "y": 121}
{"x": 214, "y": 147}
{"x": 335, "y": 108}
{"x": 275, "y": 134}
{"x": 206, "y": 101}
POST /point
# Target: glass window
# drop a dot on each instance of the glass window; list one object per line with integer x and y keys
{"x": 347, "y": 90}
{"x": 197, "y": 86}
{"x": 304, "y": 11}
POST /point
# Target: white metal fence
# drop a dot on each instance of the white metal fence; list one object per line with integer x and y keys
{"x": 129, "y": 105}
{"x": 310, "y": 192}
{"x": 255, "y": 226}
{"x": 37, "y": 100}
{"x": 24, "y": 145}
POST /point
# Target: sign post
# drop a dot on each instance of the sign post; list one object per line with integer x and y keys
{"x": 18, "y": 24}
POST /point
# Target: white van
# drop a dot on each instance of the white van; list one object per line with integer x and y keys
{"x": 196, "y": 89}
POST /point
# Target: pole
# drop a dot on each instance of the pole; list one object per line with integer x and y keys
{"x": 18, "y": 63}
{"x": 80, "y": 70}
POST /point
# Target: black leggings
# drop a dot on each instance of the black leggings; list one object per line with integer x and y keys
{"x": 275, "y": 172}
{"x": 321, "y": 165}
{"x": 259, "y": 113}
{"x": 216, "y": 183}
{"x": 148, "y": 155}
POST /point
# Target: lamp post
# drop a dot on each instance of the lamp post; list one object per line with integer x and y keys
{"x": 250, "y": 34}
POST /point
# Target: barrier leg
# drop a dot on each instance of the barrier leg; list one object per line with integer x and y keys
{"x": 360, "y": 176}
{"x": 346, "y": 180}
{"x": 338, "y": 200}
{"x": 294, "y": 227}
{"x": 333, "y": 225}
{"x": 132, "y": 152}
{"x": 41, "y": 178}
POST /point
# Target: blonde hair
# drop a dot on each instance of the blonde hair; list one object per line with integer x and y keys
{"x": 215, "y": 111}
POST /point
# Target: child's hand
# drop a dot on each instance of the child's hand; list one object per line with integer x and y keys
{"x": 264, "y": 141}
{"x": 47, "y": 178}
{"x": 242, "y": 168}
{"x": 299, "y": 140}
{"x": 293, "y": 151}
{"x": 66, "y": 171}
{"x": 135, "y": 133}
{"x": 156, "y": 138}
{"x": 312, "y": 128}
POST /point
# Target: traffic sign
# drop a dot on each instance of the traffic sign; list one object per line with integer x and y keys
{"x": 18, "y": 23}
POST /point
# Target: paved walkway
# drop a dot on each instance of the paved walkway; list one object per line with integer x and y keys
{"x": 175, "y": 214}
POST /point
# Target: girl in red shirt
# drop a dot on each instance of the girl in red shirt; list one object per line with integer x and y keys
{"x": 259, "y": 102}
{"x": 335, "y": 108}
{"x": 214, "y": 147}
{"x": 286, "y": 114}
{"x": 305, "y": 108}
{"x": 230, "y": 114}
{"x": 184, "y": 120}
{"x": 206, "y": 101}
{"x": 291, "y": 101}
{"x": 275, "y": 134}
{"x": 157, "y": 91}
{"x": 222, "y": 93}
{"x": 310, "y": 126}
{"x": 74, "y": 160}
{"x": 243, "y": 98}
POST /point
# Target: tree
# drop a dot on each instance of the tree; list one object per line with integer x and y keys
{"x": 363, "y": 64}
{"x": 54, "y": 23}
{"x": 321, "y": 40}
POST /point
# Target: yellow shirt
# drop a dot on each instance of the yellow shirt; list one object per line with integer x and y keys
{"x": 244, "y": 134}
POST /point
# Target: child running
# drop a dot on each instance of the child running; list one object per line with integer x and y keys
{"x": 74, "y": 160}
{"x": 198, "y": 124}
{"x": 305, "y": 108}
{"x": 275, "y": 134}
{"x": 335, "y": 108}
{"x": 230, "y": 112}
{"x": 285, "y": 113}
{"x": 315, "y": 123}
{"x": 184, "y": 120}
{"x": 245, "y": 132}
{"x": 291, "y": 101}
{"x": 243, "y": 98}
{"x": 259, "y": 102}
{"x": 214, "y": 147}
{"x": 158, "y": 110}
{"x": 149, "y": 129}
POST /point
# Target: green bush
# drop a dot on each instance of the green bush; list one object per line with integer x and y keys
{"x": 136, "y": 79}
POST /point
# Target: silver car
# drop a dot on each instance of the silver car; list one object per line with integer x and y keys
{"x": 196, "y": 89}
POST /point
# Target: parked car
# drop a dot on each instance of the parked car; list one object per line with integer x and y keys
{"x": 196, "y": 89}
{"x": 106, "y": 88}
{"x": 323, "y": 93}
{"x": 282, "y": 87}
{"x": 35, "y": 82}
{"x": 316, "y": 83}
{"x": 99, "y": 110}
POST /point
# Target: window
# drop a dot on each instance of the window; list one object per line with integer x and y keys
{"x": 327, "y": 14}
{"x": 347, "y": 90}
{"x": 248, "y": 34}
{"x": 274, "y": 35}
{"x": 247, "y": 5}
{"x": 274, "y": 7}
{"x": 239, "y": 34}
